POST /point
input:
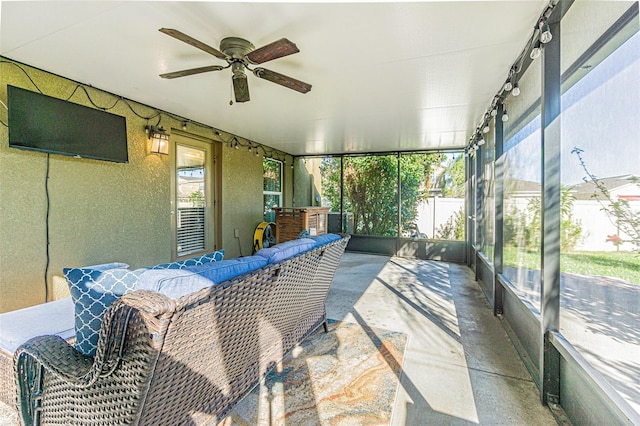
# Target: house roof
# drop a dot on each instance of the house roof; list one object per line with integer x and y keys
{"x": 522, "y": 187}
{"x": 616, "y": 185}
{"x": 385, "y": 76}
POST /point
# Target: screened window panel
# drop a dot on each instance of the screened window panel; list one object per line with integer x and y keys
{"x": 522, "y": 167}
{"x": 600, "y": 193}
{"x": 488, "y": 195}
{"x": 371, "y": 194}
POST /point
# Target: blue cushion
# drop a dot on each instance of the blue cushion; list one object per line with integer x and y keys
{"x": 326, "y": 238}
{"x": 16, "y": 327}
{"x": 228, "y": 269}
{"x": 216, "y": 256}
{"x": 93, "y": 291}
{"x": 286, "y": 250}
{"x": 175, "y": 283}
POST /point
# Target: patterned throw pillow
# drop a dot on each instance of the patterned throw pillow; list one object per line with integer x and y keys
{"x": 216, "y": 256}
{"x": 304, "y": 234}
{"x": 93, "y": 291}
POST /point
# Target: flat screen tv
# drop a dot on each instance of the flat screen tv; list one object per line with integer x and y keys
{"x": 42, "y": 123}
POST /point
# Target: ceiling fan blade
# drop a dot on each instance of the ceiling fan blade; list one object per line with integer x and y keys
{"x": 192, "y": 71}
{"x": 277, "y": 49}
{"x": 193, "y": 42}
{"x": 282, "y": 80}
{"x": 241, "y": 87}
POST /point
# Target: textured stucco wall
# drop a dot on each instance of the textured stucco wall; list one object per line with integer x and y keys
{"x": 102, "y": 211}
{"x": 242, "y": 199}
{"x": 308, "y": 183}
{"x": 302, "y": 184}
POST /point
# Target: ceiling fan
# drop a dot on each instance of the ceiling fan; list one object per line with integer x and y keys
{"x": 239, "y": 54}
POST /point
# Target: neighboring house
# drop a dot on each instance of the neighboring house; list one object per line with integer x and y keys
{"x": 517, "y": 188}
{"x": 622, "y": 187}
{"x": 600, "y": 232}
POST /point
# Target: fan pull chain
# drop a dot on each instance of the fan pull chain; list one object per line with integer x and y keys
{"x": 231, "y": 92}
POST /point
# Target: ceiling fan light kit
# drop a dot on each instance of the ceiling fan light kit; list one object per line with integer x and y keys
{"x": 240, "y": 54}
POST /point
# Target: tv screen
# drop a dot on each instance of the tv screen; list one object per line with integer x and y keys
{"x": 42, "y": 123}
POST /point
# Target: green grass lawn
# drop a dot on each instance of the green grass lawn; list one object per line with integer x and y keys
{"x": 623, "y": 265}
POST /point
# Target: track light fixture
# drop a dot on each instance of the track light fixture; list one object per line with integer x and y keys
{"x": 481, "y": 141}
{"x": 505, "y": 116}
{"x": 494, "y": 112}
{"x": 508, "y": 86}
{"x": 516, "y": 90}
{"x": 486, "y": 128}
{"x": 545, "y": 33}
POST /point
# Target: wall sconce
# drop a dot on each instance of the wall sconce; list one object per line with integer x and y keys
{"x": 159, "y": 140}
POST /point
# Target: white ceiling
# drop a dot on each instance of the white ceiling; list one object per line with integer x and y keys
{"x": 385, "y": 76}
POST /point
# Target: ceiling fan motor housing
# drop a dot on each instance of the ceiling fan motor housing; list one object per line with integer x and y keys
{"x": 236, "y": 48}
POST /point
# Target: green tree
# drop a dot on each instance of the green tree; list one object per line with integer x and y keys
{"x": 330, "y": 180}
{"x": 570, "y": 228}
{"x": 454, "y": 178}
{"x": 370, "y": 189}
{"x": 196, "y": 198}
{"x": 453, "y": 228}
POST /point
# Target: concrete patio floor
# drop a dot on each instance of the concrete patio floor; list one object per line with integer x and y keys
{"x": 460, "y": 366}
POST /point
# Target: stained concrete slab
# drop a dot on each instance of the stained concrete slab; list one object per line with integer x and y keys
{"x": 460, "y": 366}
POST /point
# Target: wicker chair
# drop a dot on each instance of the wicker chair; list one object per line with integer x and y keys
{"x": 185, "y": 361}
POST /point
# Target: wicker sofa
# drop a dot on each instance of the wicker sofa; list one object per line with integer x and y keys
{"x": 190, "y": 360}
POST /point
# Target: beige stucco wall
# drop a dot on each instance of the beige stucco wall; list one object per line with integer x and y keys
{"x": 102, "y": 211}
{"x": 308, "y": 182}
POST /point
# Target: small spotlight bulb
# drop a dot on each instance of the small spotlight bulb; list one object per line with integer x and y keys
{"x": 536, "y": 51}
{"x": 545, "y": 34}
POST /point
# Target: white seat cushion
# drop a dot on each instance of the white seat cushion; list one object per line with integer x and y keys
{"x": 16, "y": 327}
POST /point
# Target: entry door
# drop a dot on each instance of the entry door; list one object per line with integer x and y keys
{"x": 193, "y": 197}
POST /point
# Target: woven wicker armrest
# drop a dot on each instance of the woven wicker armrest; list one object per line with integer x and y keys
{"x": 54, "y": 354}
{"x": 50, "y": 354}
{"x": 149, "y": 302}
{"x": 125, "y": 350}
